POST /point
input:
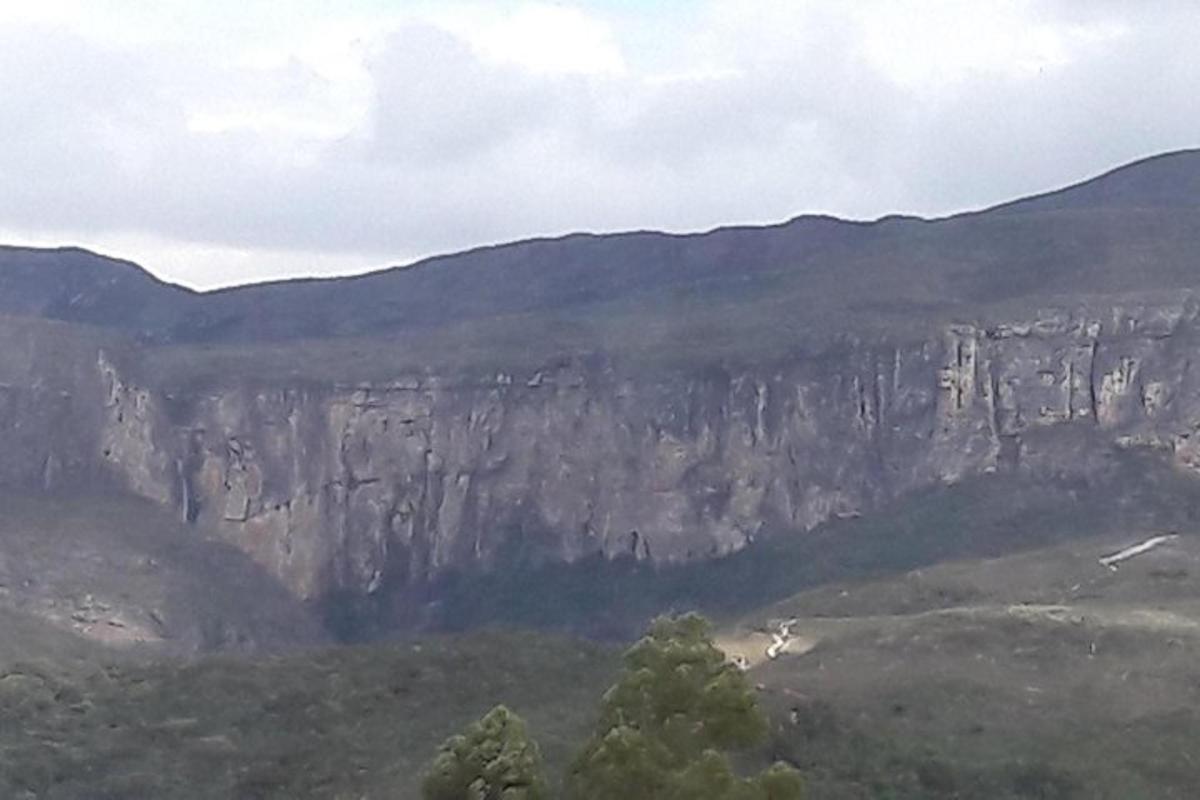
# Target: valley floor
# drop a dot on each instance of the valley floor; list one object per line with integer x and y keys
{"x": 966, "y": 643}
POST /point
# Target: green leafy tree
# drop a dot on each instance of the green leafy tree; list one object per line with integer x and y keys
{"x": 664, "y": 725}
{"x": 493, "y": 759}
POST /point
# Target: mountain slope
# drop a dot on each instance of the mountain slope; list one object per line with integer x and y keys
{"x": 1030, "y": 676}
{"x": 74, "y": 285}
{"x": 1088, "y": 237}
{"x": 1166, "y": 181}
{"x": 117, "y": 571}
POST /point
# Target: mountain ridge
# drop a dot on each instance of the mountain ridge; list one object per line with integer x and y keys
{"x": 891, "y": 259}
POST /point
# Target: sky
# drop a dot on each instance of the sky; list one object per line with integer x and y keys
{"x": 234, "y": 141}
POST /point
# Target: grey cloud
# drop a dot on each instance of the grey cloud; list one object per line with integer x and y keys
{"x": 1002, "y": 137}
{"x": 457, "y": 151}
{"x": 435, "y": 101}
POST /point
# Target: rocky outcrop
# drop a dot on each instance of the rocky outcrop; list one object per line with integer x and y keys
{"x": 82, "y": 556}
{"x": 366, "y": 489}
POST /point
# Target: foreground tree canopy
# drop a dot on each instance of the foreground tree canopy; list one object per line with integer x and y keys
{"x": 665, "y": 724}
{"x": 662, "y": 734}
{"x": 494, "y": 759}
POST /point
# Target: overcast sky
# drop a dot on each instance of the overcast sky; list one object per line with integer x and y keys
{"x": 230, "y": 141}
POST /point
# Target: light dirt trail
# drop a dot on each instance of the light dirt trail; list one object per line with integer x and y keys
{"x": 1113, "y": 561}
{"x": 799, "y": 636}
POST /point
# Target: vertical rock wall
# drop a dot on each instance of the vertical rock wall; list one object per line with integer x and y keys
{"x": 363, "y": 488}
{"x": 50, "y": 405}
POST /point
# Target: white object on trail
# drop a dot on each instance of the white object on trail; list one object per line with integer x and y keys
{"x": 780, "y": 640}
{"x": 1113, "y": 561}
{"x": 777, "y": 646}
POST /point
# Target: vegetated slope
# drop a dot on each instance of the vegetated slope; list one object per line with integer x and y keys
{"x": 74, "y": 285}
{"x": 118, "y": 571}
{"x": 1164, "y": 181}
{"x": 1031, "y": 676}
{"x": 908, "y": 666}
{"x": 1135, "y": 229}
{"x": 986, "y": 516}
{"x": 344, "y": 722}
{"x": 27, "y": 638}
{"x": 1038, "y": 675}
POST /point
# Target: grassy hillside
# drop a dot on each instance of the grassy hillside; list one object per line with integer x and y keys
{"x": 336, "y": 723}
{"x": 120, "y": 570}
{"x": 26, "y": 638}
{"x": 1037, "y": 675}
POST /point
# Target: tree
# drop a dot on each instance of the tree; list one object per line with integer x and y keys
{"x": 677, "y": 705}
{"x": 493, "y": 759}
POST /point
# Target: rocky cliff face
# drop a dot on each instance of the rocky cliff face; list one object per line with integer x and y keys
{"x": 94, "y": 561}
{"x": 665, "y": 397}
{"x": 50, "y": 403}
{"x": 368, "y": 489}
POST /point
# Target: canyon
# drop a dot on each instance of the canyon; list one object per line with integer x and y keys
{"x": 669, "y": 399}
